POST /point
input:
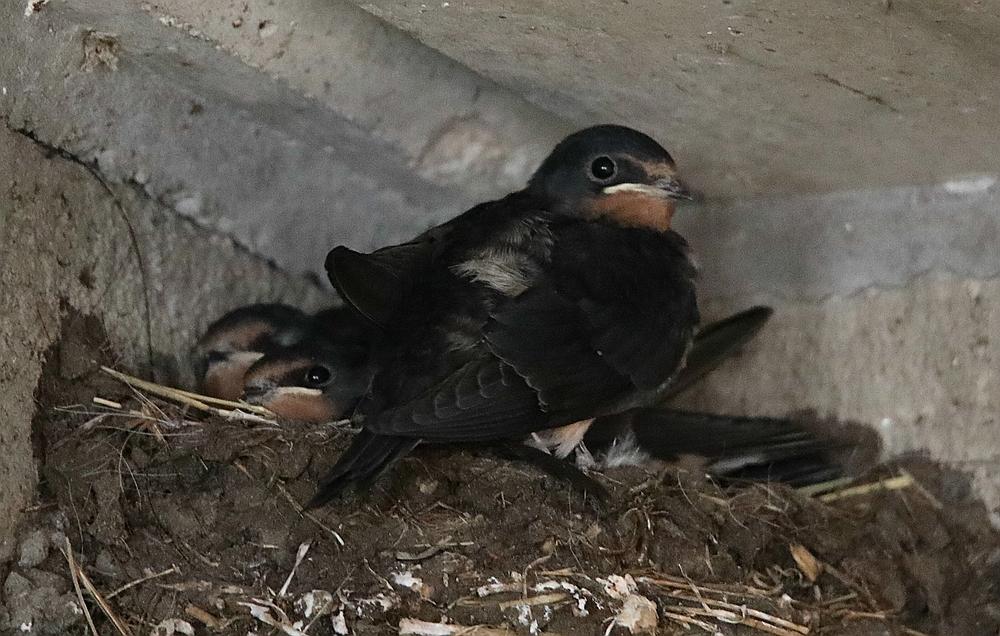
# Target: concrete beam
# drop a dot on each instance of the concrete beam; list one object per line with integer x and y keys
{"x": 206, "y": 135}
{"x": 800, "y": 248}
{"x": 454, "y": 126}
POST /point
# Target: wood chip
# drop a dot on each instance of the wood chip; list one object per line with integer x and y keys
{"x": 809, "y": 564}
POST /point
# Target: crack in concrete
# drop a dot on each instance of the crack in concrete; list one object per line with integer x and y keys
{"x": 872, "y": 98}
{"x": 92, "y": 168}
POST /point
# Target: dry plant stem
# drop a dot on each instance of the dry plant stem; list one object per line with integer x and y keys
{"x": 68, "y": 553}
{"x": 678, "y": 583}
{"x": 242, "y": 410}
{"x": 825, "y": 486}
{"x": 937, "y": 505}
{"x": 129, "y": 586}
{"x": 708, "y": 603}
{"x": 92, "y": 590}
{"x": 299, "y": 556}
{"x": 414, "y": 627}
{"x": 541, "y": 599}
{"x": 736, "y": 619}
{"x": 687, "y": 622}
{"x": 204, "y": 617}
{"x": 893, "y": 483}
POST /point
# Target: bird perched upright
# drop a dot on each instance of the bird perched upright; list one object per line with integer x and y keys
{"x": 565, "y": 301}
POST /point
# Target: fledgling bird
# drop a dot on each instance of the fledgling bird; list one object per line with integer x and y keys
{"x": 321, "y": 379}
{"x": 235, "y": 343}
{"x": 238, "y": 339}
{"x": 317, "y": 380}
{"x": 565, "y": 301}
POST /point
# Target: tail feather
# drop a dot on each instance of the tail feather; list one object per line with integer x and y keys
{"x": 362, "y": 463}
{"x": 733, "y": 448}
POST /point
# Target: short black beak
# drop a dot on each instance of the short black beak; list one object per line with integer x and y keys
{"x": 674, "y": 188}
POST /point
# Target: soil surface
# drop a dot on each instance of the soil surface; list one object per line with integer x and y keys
{"x": 188, "y": 525}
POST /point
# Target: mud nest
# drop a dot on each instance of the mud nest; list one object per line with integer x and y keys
{"x": 156, "y": 519}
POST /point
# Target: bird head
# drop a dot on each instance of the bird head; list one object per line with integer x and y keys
{"x": 309, "y": 382}
{"x": 611, "y": 172}
{"x": 238, "y": 339}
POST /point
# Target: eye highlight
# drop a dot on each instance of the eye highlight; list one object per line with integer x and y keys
{"x": 317, "y": 376}
{"x": 603, "y": 168}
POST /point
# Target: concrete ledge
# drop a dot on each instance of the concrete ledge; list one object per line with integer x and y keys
{"x": 780, "y": 249}
{"x": 67, "y": 241}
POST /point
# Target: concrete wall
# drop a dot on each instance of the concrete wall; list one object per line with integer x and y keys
{"x": 68, "y": 241}
{"x": 920, "y": 365}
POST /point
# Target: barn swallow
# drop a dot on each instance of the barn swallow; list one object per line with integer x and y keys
{"x": 321, "y": 378}
{"x": 236, "y": 340}
{"x": 318, "y": 380}
{"x": 241, "y": 338}
{"x": 568, "y": 300}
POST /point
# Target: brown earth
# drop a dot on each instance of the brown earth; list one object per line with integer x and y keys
{"x": 200, "y": 515}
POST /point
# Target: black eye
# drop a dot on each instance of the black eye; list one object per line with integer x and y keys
{"x": 317, "y": 375}
{"x": 603, "y": 168}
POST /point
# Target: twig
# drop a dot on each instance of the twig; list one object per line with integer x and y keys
{"x": 541, "y": 599}
{"x": 415, "y": 627}
{"x": 148, "y": 577}
{"x": 738, "y": 619}
{"x": 92, "y": 590}
{"x": 708, "y": 604}
{"x": 68, "y": 553}
{"x": 825, "y": 486}
{"x": 892, "y": 483}
{"x": 208, "y": 619}
{"x": 937, "y": 505}
{"x": 677, "y": 583}
{"x": 687, "y": 622}
{"x": 236, "y": 410}
{"x": 299, "y": 556}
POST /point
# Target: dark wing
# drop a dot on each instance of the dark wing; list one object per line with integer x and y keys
{"x": 617, "y": 324}
{"x": 367, "y": 458}
{"x": 375, "y": 284}
{"x": 581, "y": 342}
{"x": 485, "y": 400}
{"x": 716, "y": 342}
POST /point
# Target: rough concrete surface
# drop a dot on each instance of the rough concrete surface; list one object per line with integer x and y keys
{"x": 456, "y": 127}
{"x": 67, "y": 242}
{"x": 752, "y": 96}
{"x": 811, "y": 247}
{"x": 921, "y": 365}
{"x": 208, "y": 136}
